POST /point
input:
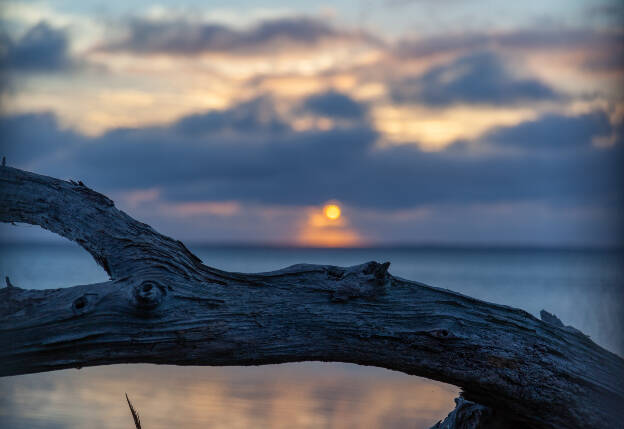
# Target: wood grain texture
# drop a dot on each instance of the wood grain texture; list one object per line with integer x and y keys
{"x": 163, "y": 305}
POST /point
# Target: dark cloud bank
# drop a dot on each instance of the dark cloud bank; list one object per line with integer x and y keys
{"x": 479, "y": 78}
{"x": 41, "y": 49}
{"x": 336, "y": 105}
{"x": 248, "y": 153}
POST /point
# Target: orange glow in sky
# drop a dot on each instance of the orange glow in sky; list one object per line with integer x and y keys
{"x": 328, "y": 227}
{"x": 331, "y": 211}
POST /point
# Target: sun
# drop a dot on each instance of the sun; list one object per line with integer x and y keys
{"x": 331, "y": 211}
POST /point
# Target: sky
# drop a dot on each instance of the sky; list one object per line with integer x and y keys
{"x": 424, "y": 122}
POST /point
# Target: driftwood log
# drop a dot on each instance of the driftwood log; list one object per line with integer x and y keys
{"x": 163, "y": 305}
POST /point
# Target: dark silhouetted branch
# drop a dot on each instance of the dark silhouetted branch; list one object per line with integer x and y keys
{"x": 162, "y": 305}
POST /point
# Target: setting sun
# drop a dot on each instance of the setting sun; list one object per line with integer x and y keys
{"x": 331, "y": 211}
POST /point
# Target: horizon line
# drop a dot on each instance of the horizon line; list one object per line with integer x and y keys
{"x": 368, "y": 246}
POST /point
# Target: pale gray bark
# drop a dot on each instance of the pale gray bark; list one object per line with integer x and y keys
{"x": 162, "y": 305}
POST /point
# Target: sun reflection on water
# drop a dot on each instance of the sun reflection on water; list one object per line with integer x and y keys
{"x": 308, "y": 395}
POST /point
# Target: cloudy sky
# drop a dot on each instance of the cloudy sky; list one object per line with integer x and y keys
{"x": 489, "y": 122}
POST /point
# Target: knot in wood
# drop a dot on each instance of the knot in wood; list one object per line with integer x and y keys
{"x": 444, "y": 334}
{"x": 148, "y": 295}
{"x": 84, "y": 303}
{"x": 80, "y": 303}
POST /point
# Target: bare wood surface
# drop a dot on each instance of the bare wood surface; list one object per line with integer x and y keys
{"x": 163, "y": 305}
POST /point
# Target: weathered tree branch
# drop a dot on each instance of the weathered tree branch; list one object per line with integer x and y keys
{"x": 162, "y": 305}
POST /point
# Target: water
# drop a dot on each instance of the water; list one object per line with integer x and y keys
{"x": 584, "y": 288}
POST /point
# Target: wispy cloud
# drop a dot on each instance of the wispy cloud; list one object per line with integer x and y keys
{"x": 186, "y": 37}
{"x": 536, "y": 38}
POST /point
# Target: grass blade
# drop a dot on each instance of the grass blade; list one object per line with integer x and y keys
{"x": 135, "y": 414}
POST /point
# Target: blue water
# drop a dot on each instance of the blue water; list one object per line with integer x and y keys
{"x": 585, "y": 288}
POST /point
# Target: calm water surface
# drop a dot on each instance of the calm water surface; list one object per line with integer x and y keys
{"x": 584, "y": 288}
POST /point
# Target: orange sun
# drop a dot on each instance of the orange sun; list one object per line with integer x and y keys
{"x": 331, "y": 211}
